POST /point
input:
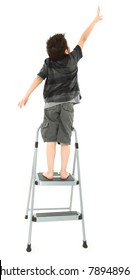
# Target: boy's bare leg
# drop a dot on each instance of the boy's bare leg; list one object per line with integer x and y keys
{"x": 65, "y": 152}
{"x": 50, "y": 152}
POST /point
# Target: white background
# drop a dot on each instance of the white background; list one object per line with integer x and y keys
{"x": 102, "y": 122}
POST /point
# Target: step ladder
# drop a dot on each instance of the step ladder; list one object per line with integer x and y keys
{"x": 56, "y": 214}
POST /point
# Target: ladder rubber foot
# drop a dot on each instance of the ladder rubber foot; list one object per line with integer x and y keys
{"x": 29, "y": 248}
{"x": 26, "y": 216}
{"x": 85, "y": 244}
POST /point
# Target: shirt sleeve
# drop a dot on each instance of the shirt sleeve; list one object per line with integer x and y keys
{"x": 43, "y": 72}
{"x": 77, "y": 53}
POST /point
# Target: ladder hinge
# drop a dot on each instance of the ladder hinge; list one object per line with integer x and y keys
{"x": 34, "y": 219}
{"x": 80, "y": 217}
{"x": 76, "y": 145}
{"x": 36, "y": 144}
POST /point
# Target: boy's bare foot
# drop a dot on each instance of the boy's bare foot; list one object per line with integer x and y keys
{"x": 48, "y": 175}
{"x": 64, "y": 175}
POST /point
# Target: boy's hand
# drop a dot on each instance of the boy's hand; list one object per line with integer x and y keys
{"x": 23, "y": 101}
{"x": 98, "y": 16}
{"x": 37, "y": 81}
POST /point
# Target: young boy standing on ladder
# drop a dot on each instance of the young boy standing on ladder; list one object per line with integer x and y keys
{"x": 61, "y": 92}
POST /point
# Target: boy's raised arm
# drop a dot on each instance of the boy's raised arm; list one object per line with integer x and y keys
{"x": 87, "y": 32}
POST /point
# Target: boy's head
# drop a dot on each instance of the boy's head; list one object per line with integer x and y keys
{"x": 57, "y": 47}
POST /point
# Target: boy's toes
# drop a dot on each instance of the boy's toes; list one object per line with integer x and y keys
{"x": 64, "y": 176}
{"x": 47, "y": 176}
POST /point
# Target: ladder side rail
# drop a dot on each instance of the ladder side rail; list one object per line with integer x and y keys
{"x": 73, "y": 171}
{"x": 33, "y": 191}
{"x": 30, "y": 188}
{"x": 80, "y": 190}
{"x": 81, "y": 199}
{"x": 74, "y": 163}
{"x": 33, "y": 172}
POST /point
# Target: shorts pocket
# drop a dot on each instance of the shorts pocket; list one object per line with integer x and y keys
{"x": 44, "y": 129}
{"x": 51, "y": 108}
{"x": 67, "y": 115}
{"x": 68, "y": 107}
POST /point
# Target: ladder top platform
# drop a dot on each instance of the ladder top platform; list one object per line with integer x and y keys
{"x": 41, "y": 180}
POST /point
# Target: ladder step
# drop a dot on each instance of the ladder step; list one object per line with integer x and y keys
{"x": 41, "y": 180}
{"x": 56, "y": 216}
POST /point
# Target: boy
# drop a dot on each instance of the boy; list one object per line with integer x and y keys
{"x": 61, "y": 92}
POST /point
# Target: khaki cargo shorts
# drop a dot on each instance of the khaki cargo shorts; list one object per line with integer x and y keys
{"x": 57, "y": 124}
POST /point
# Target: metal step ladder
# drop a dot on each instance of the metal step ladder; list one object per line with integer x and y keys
{"x": 54, "y": 214}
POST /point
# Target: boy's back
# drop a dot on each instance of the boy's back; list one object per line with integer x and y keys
{"x": 61, "y": 83}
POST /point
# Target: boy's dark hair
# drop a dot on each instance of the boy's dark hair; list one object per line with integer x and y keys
{"x": 56, "y": 46}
